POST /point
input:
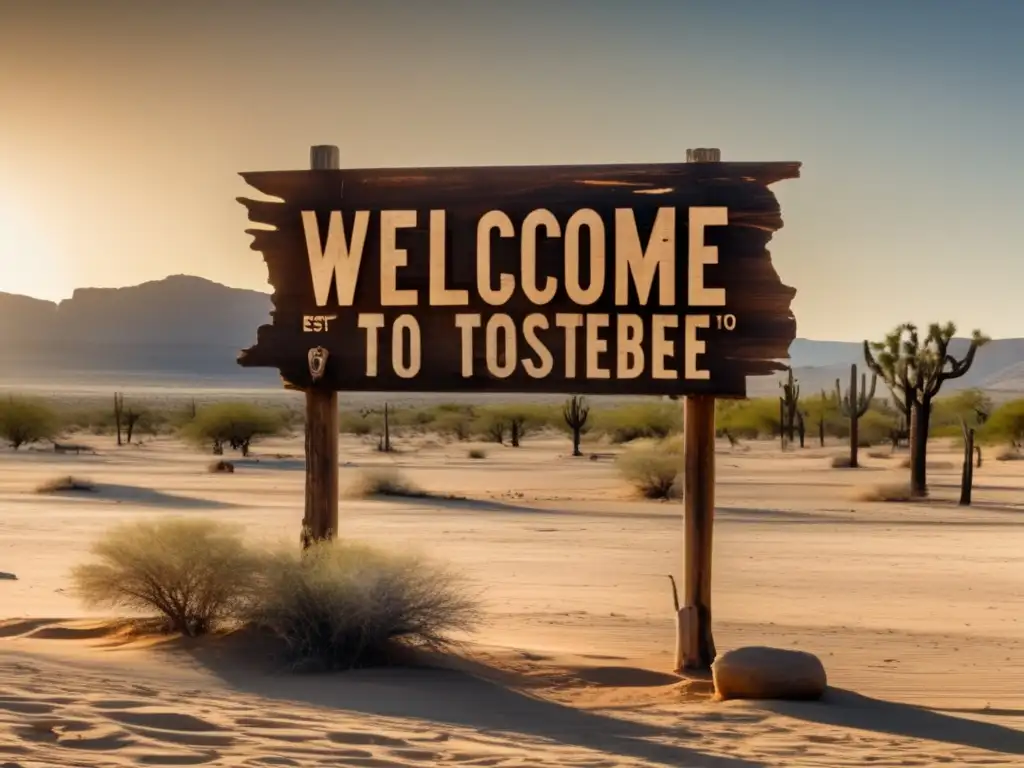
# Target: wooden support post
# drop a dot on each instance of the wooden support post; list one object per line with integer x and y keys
{"x": 695, "y": 646}
{"x": 321, "y": 515}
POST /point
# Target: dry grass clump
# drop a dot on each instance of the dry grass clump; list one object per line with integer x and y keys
{"x": 1009, "y": 453}
{"x": 193, "y": 573}
{"x": 384, "y": 481}
{"x": 221, "y": 466}
{"x": 899, "y": 492}
{"x": 477, "y": 453}
{"x": 879, "y": 455}
{"x": 341, "y": 605}
{"x": 66, "y": 483}
{"x": 335, "y": 605}
{"x": 841, "y": 462}
{"x": 653, "y": 469}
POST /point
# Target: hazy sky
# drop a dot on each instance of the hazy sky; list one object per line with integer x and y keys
{"x": 123, "y": 126}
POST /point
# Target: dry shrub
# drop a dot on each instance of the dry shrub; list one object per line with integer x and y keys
{"x": 841, "y": 462}
{"x": 879, "y": 455}
{"x": 887, "y": 492}
{"x": 64, "y": 484}
{"x": 341, "y": 605}
{"x": 384, "y": 481}
{"x": 221, "y": 466}
{"x": 1009, "y": 454}
{"x": 477, "y": 453}
{"x": 654, "y": 470}
{"x": 193, "y": 573}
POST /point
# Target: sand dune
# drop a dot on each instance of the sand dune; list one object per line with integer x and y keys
{"x": 916, "y": 609}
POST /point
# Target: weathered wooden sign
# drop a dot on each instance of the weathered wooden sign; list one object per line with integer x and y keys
{"x": 626, "y": 279}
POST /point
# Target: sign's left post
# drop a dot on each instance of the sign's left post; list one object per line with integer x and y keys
{"x": 320, "y": 521}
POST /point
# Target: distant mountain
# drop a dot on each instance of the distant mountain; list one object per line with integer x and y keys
{"x": 178, "y": 328}
{"x": 189, "y": 330}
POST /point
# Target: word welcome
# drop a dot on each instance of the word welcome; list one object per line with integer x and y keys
{"x": 337, "y": 259}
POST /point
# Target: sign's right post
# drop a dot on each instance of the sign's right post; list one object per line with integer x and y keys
{"x": 695, "y": 645}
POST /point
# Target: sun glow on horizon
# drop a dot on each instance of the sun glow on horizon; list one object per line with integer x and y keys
{"x": 31, "y": 263}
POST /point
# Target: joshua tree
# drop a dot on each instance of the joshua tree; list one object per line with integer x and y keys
{"x": 790, "y": 402}
{"x": 576, "y": 412}
{"x": 855, "y": 404}
{"x": 915, "y": 369}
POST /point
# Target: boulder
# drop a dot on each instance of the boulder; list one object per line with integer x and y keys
{"x": 768, "y": 673}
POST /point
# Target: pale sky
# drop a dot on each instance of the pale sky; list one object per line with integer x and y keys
{"x": 123, "y": 126}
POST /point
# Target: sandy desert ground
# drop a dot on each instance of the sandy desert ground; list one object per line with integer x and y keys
{"x": 916, "y": 609}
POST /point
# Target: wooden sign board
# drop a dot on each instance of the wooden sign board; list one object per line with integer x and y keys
{"x": 625, "y": 279}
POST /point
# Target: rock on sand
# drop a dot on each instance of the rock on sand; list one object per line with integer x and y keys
{"x": 768, "y": 673}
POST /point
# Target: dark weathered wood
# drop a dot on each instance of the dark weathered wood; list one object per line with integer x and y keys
{"x": 321, "y": 512}
{"x": 698, "y": 521}
{"x": 695, "y": 645}
{"x": 320, "y": 521}
{"x": 760, "y": 302}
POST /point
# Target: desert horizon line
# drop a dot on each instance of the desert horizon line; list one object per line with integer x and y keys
{"x": 171, "y": 276}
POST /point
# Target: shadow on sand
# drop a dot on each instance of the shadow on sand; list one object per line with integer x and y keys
{"x": 640, "y": 510}
{"x": 287, "y": 463}
{"x": 143, "y": 497}
{"x": 672, "y": 510}
{"x": 438, "y": 695}
{"x": 847, "y": 709}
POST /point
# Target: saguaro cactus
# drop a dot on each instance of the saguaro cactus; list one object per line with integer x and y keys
{"x": 855, "y": 404}
{"x": 790, "y": 401}
{"x": 576, "y": 412}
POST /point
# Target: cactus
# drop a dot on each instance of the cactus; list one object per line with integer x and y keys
{"x": 576, "y": 412}
{"x": 118, "y": 407}
{"x": 384, "y": 441}
{"x": 967, "y": 471}
{"x": 821, "y": 418}
{"x": 855, "y": 404}
{"x": 782, "y": 424}
{"x": 789, "y": 402}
